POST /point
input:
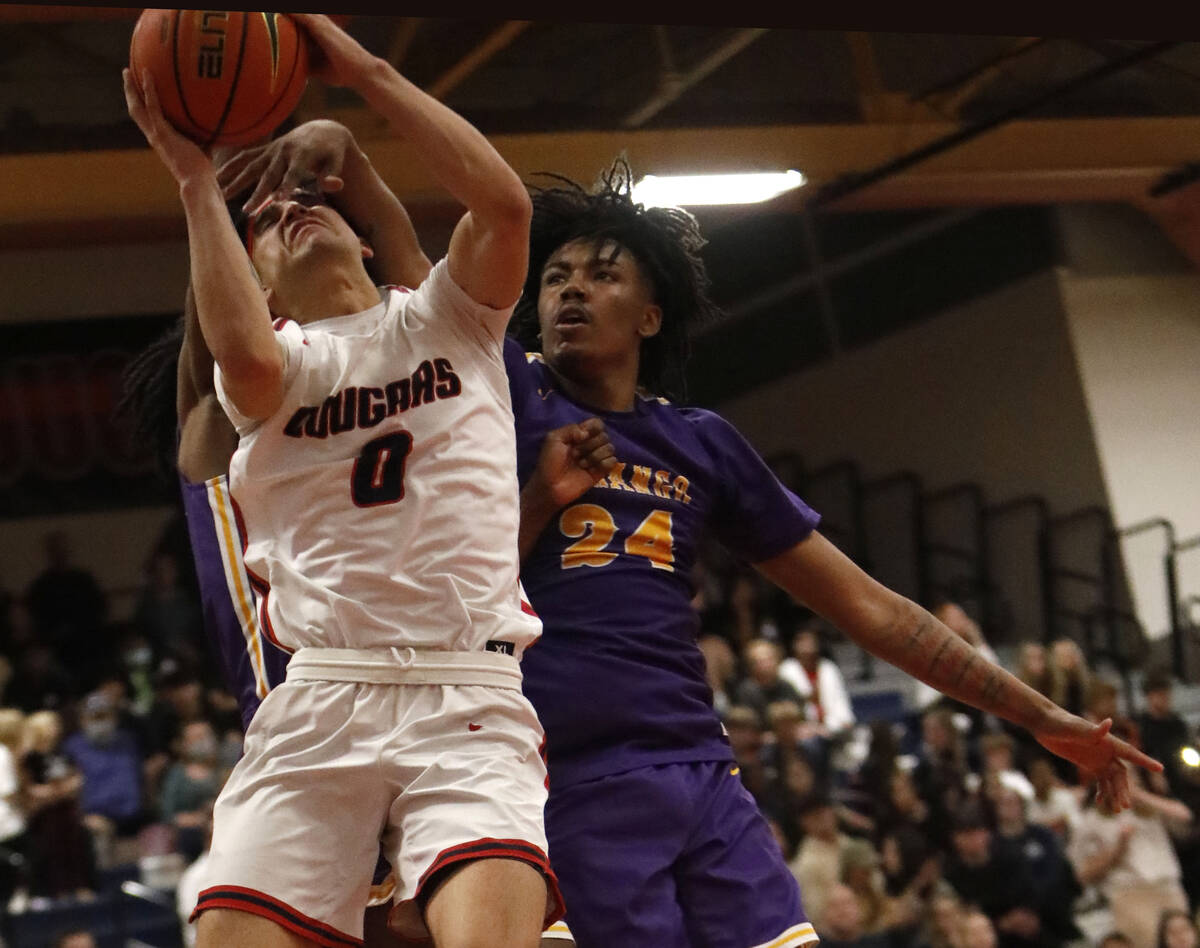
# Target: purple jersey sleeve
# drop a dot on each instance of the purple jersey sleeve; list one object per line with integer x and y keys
{"x": 250, "y": 664}
{"x": 755, "y": 516}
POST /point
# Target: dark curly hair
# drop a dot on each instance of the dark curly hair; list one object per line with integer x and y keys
{"x": 148, "y": 385}
{"x": 666, "y": 243}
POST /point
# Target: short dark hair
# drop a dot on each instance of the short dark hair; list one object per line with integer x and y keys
{"x": 1157, "y": 679}
{"x": 666, "y": 243}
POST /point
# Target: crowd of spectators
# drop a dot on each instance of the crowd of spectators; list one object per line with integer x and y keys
{"x": 941, "y": 827}
{"x": 115, "y": 736}
{"x": 937, "y": 827}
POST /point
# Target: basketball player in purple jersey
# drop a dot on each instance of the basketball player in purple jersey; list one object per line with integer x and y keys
{"x": 655, "y": 842}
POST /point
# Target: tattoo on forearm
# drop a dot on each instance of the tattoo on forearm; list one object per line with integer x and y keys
{"x": 990, "y": 692}
{"x": 916, "y": 635}
{"x": 962, "y": 672}
{"x": 946, "y": 642}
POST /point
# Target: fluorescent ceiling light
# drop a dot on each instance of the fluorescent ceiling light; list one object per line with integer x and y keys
{"x": 680, "y": 190}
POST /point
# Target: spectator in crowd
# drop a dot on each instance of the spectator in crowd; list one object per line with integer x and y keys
{"x": 941, "y": 772}
{"x": 1129, "y": 858}
{"x": 911, "y": 867}
{"x": 943, "y": 928}
{"x": 191, "y": 786}
{"x": 747, "y": 741}
{"x": 1054, "y": 882}
{"x": 41, "y": 682}
{"x": 977, "y": 931}
{"x": 720, "y": 664}
{"x": 817, "y": 865}
{"x": 995, "y": 879}
{"x": 168, "y": 612}
{"x": 1163, "y": 733}
{"x": 819, "y": 682}
{"x": 1033, "y": 667}
{"x": 12, "y": 813}
{"x": 763, "y": 684}
{"x": 997, "y": 750}
{"x": 868, "y": 786}
{"x": 861, "y": 873}
{"x": 136, "y": 666}
{"x": 68, "y": 609}
{"x": 74, "y": 938}
{"x": 1054, "y": 804}
{"x": 110, "y": 762}
{"x": 841, "y": 924}
{"x": 187, "y": 892}
{"x": 1176, "y": 930}
{"x": 1069, "y": 675}
{"x": 1102, "y": 699}
{"x": 60, "y": 850}
{"x": 747, "y": 614}
{"x": 798, "y": 783}
{"x": 905, "y": 806}
{"x": 180, "y": 697}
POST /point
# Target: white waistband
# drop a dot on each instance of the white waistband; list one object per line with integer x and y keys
{"x": 405, "y": 666}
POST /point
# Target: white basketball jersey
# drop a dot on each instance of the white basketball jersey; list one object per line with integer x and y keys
{"x": 379, "y": 504}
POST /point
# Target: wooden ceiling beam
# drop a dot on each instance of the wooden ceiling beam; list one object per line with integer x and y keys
{"x": 1023, "y": 162}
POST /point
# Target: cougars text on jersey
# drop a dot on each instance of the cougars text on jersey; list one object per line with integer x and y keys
{"x": 366, "y": 406}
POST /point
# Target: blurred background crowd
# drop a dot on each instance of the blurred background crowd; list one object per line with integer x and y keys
{"x": 909, "y": 820}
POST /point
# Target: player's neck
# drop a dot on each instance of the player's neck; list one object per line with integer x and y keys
{"x": 328, "y": 292}
{"x": 604, "y": 391}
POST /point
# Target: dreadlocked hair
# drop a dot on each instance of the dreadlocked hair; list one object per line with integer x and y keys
{"x": 148, "y": 394}
{"x": 666, "y": 243}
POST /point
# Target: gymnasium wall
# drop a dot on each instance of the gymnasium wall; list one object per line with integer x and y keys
{"x": 1079, "y": 384}
{"x": 43, "y": 286}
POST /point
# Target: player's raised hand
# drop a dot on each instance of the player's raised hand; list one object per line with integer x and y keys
{"x": 1097, "y": 754}
{"x": 572, "y": 459}
{"x": 180, "y": 154}
{"x": 313, "y": 151}
{"x": 337, "y": 58}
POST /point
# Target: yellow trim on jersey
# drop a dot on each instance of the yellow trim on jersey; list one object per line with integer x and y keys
{"x": 236, "y": 580}
{"x": 794, "y": 937}
{"x": 558, "y": 933}
{"x": 382, "y": 893}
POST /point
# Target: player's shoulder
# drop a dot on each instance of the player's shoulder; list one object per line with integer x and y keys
{"x": 704, "y": 420}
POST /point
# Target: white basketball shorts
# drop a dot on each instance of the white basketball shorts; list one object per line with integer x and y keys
{"x": 437, "y": 773}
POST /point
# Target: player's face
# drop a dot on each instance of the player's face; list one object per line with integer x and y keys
{"x": 595, "y": 307}
{"x": 287, "y": 228}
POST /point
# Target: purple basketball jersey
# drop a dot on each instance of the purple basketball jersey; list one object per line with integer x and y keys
{"x": 251, "y": 664}
{"x": 617, "y": 679}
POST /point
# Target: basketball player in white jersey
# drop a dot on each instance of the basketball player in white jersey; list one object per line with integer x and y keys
{"x": 376, "y": 485}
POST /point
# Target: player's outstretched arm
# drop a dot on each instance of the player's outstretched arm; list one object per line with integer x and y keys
{"x": 326, "y": 151}
{"x": 489, "y": 250}
{"x": 232, "y": 309}
{"x": 899, "y": 631}
{"x": 572, "y": 459}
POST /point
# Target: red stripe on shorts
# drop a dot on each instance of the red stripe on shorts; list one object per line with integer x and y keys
{"x": 243, "y": 899}
{"x": 517, "y": 849}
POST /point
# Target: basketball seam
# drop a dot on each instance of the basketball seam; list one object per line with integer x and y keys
{"x": 175, "y": 60}
{"x": 237, "y": 75}
{"x": 275, "y": 103}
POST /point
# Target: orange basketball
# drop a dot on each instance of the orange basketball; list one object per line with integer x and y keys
{"x": 223, "y": 77}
